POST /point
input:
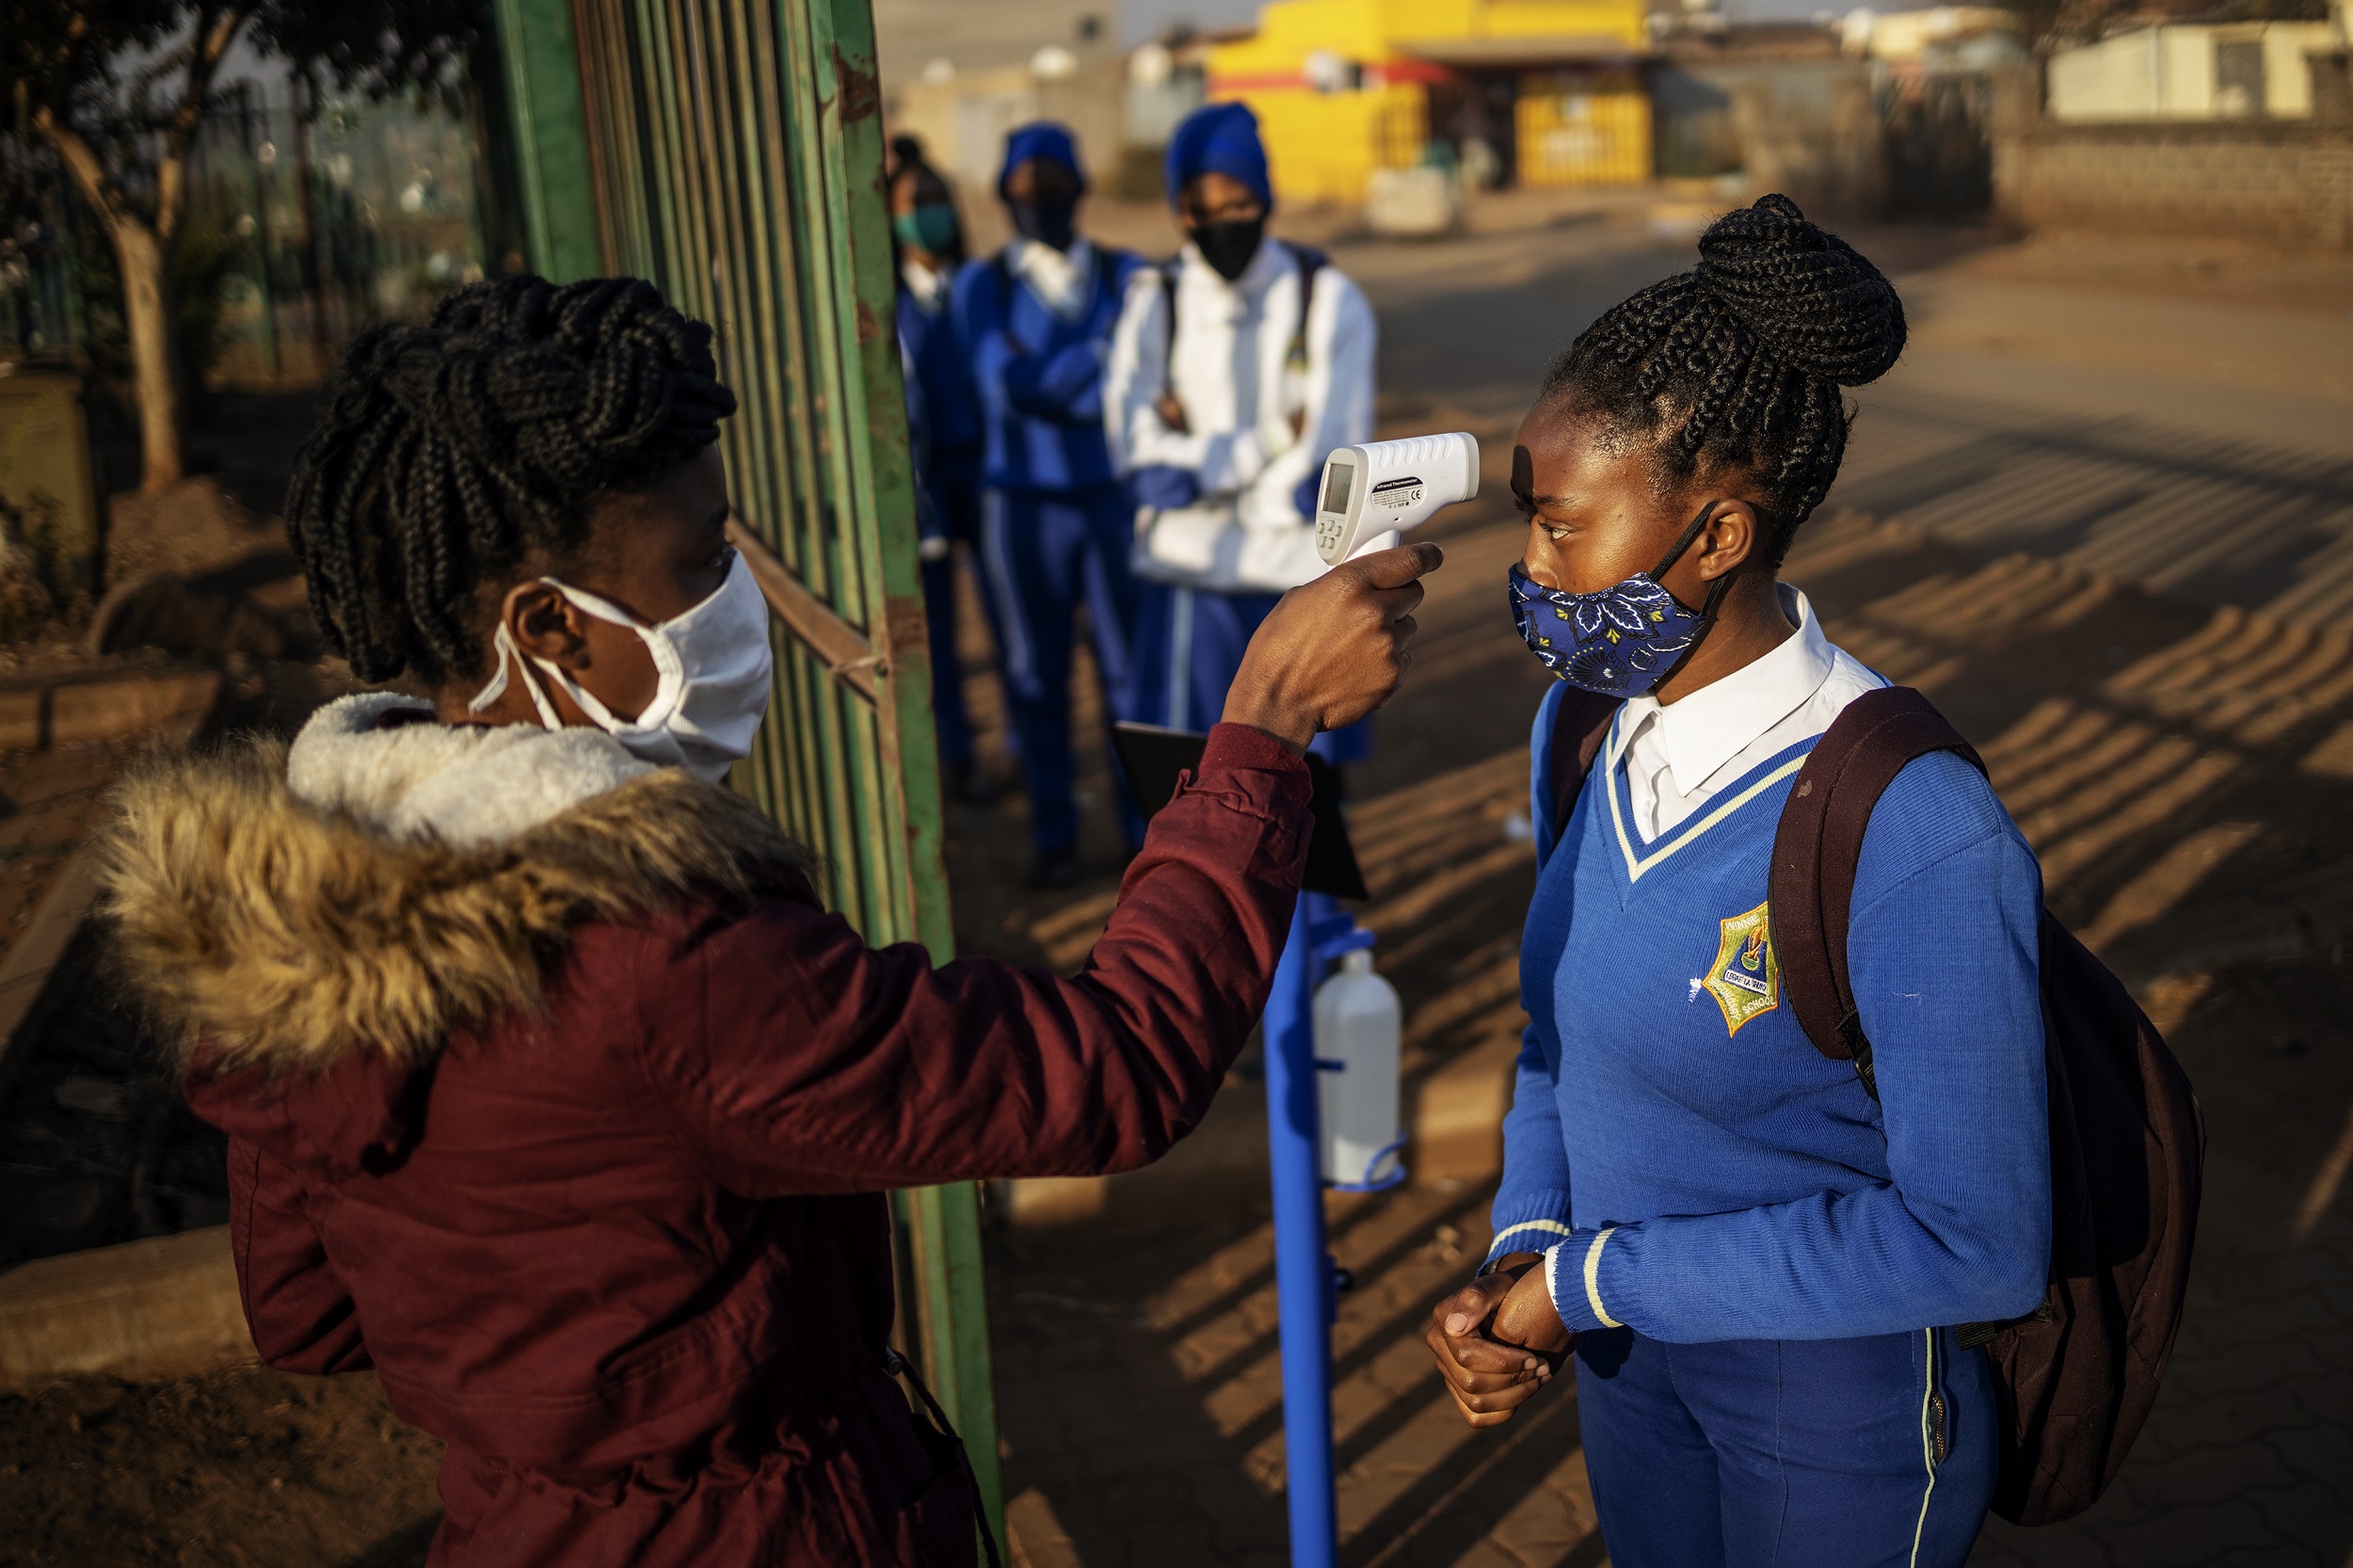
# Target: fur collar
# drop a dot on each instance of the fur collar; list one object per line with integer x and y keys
{"x": 375, "y": 888}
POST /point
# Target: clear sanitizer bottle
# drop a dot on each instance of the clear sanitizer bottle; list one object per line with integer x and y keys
{"x": 1358, "y": 1023}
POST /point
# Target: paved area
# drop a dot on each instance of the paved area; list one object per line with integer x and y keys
{"x": 2116, "y": 555}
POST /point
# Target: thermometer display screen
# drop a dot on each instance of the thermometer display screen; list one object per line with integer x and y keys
{"x": 1337, "y": 480}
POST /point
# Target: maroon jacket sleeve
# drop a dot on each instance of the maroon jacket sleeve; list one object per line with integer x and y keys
{"x": 794, "y": 1058}
{"x": 301, "y": 1316}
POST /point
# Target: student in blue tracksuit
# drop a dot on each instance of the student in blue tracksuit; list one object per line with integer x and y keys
{"x": 1035, "y": 320}
{"x": 929, "y": 242}
{"x": 1757, "y": 1264}
{"x": 1220, "y": 419}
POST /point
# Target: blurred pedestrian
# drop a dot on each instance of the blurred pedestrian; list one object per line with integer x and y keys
{"x": 553, "y": 1094}
{"x": 1035, "y": 320}
{"x": 1761, "y": 1259}
{"x": 928, "y": 239}
{"x": 1238, "y": 366}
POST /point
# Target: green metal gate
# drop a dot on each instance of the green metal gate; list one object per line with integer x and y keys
{"x": 732, "y": 152}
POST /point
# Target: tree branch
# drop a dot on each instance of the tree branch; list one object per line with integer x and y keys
{"x": 88, "y": 170}
{"x": 213, "y": 34}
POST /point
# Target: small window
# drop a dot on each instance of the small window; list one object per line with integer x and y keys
{"x": 2238, "y": 79}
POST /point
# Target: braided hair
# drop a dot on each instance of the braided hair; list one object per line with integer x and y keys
{"x": 1737, "y": 364}
{"x": 450, "y": 453}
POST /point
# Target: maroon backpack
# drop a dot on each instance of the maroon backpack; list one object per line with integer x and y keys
{"x": 2077, "y": 1378}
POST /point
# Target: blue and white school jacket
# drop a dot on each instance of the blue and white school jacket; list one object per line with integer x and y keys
{"x": 1267, "y": 393}
{"x": 1690, "y": 1164}
{"x": 1038, "y": 369}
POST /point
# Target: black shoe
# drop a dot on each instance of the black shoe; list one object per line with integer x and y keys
{"x": 1055, "y": 867}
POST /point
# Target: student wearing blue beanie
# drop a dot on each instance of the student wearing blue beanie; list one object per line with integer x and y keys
{"x": 1238, "y": 367}
{"x": 1758, "y": 1256}
{"x": 944, "y": 422}
{"x": 1035, "y": 322}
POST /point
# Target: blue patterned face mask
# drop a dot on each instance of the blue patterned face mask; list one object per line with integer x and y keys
{"x": 1621, "y": 641}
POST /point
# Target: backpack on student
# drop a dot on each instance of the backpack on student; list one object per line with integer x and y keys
{"x": 1207, "y": 546}
{"x": 1311, "y": 262}
{"x": 2074, "y": 1380}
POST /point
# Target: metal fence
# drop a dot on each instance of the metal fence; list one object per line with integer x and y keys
{"x": 310, "y": 218}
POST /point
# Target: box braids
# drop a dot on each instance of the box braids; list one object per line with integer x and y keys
{"x": 451, "y": 452}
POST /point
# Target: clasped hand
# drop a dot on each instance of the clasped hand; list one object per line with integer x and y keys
{"x": 1498, "y": 1339}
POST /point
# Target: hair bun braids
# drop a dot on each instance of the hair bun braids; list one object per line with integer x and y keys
{"x": 449, "y": 452}
{"x": 1812, "y": 300}
{"x": 1737, "y": 364}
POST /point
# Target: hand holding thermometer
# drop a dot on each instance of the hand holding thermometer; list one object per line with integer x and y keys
{"x": 1374, "y": 492}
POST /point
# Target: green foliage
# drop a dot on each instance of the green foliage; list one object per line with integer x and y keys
{"x": 76, "y": 57}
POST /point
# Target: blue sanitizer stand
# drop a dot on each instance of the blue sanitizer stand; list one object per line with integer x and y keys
{"x": 1307, "y": 1279}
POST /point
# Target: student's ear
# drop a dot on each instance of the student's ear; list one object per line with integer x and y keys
{"x": 1730, "y": 538}
{"x": 545, "y": 625}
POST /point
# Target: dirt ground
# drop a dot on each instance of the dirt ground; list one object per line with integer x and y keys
{"x": 241, "y": 1466}
{"x": 2097, "y": 515}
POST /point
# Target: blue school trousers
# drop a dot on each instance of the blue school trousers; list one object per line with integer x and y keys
{"x": 1042, "y": 554}
{"x": 956, "y": 501}
{"x": 1875, "y": 1452}
{"x": 1189, "y": 644}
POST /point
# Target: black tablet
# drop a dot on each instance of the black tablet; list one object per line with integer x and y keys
{"x": 1153, "y": 758}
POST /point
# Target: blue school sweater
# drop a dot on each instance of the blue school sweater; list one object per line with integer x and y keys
{"x": 938, "y": 375}
{"x": 1690, "y": 1162}
{"x": 1040, "y": 379}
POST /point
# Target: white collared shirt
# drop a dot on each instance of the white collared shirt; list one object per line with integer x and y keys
{"x": 1678, "y": 755}
{"x": 1063, "y": 280}
{"x": 929, "y": 288}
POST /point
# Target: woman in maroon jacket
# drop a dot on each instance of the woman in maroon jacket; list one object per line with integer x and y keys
{"x": 554, "y": 1096}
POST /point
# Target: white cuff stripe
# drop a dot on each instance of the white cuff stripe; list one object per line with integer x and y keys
{"x": 1554, "y": 1226}
{"x": 1593, "y": 1278}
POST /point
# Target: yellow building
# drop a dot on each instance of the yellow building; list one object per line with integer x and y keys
{"x": 1524, "y": 92}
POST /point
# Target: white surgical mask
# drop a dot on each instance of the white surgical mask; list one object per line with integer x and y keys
{"x": 714, "y": 668}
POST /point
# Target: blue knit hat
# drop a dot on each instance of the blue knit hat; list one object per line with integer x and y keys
{"x": 1041, "y": 138}
{"x": 1219, "y": 138}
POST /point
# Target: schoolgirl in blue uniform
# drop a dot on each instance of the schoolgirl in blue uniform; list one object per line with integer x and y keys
{"x": 1757, "y": 1265}
{"x": 1056, "y": 527}
{"x": 945, "y": 415}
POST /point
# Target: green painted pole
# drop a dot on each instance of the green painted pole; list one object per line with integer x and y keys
{"x": 552, "y": 170}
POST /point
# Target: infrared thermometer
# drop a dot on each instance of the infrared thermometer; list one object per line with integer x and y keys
{"x": 1374, "y": 492}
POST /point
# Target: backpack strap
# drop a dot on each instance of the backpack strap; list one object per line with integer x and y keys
{"x": 1818, "y": 845}
{"x": 1107, "y": 281}
{"x": 1578, "y": 727}
{"x": 1168, "y": 299}
{"x": 1311, "y": 264}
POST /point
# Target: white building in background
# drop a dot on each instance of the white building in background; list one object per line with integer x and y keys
{"x": 2220, "y": 71}
{"x": 1909, "y": 36}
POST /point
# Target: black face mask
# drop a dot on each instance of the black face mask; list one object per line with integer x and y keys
{"x": 1229, "y": 246}
{"x": 1048, "y": 222}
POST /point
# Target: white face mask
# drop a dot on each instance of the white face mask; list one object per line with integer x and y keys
{"x": 714, "y": 668}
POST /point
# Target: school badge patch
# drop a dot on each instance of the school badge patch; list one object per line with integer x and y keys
{"x": 1745, "y": 980}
